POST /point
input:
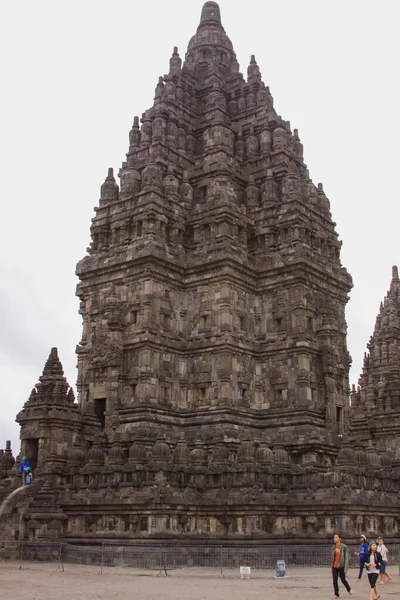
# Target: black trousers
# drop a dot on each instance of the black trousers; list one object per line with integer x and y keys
{"x": 362, "y": 563}
{"x": 373, "y": 578}
{"x": 336, "y": 573}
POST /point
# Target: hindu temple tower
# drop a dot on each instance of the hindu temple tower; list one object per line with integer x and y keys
{"x": 213, "y": 393}
{"x": 213, "y": 290}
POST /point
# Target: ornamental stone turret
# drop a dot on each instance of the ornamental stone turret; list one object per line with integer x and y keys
{"x": 116, "y": 455}
{"x": 7, "y": 460}
{"x": 198, "y": 455}
{"x": 76, "y": 454}
{"x": 50, "y": 418}
{"x": 181, "y": 454}
{"x": 161, "y": 450}
{"x": 96, "y": 455}
{"x": 109, "y": 189}
{"x": 137, "y": 453}
{"x": 376, "y": 402}
{"x": 264, "y": 454}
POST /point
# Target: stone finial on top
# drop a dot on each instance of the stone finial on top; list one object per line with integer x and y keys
{"x": 71, "y": 396}
{"x": 211, "y": 35}
{"x": 53, "y": 367}
{"x": 253, "y": 70}
{"x": 210, "y": 14}
{"x": 52, "y": 387}
{"x": 134, "y": 134}
{"x": 175, "y": 62}
{"x": 394, "y": 290}
{"x": 52, "y": 383}
{"x": 159, "y": 92}
{"x": 298, "y": 146}
{"x": 109, "y": 189}
{"x": 6, "y": 458}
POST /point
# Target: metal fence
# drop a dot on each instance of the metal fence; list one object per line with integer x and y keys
{"x": 166, "y": 557}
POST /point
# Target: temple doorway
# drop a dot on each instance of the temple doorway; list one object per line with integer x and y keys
{"x": 32, "y": 451}
{"x": 100, "y": 410}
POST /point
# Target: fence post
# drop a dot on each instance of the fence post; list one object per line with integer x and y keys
{"x": 221, "y": 559}
{"x": 60, "y": 561}
{"x": 102, "y": 558}
{"x": 21, "y": 554}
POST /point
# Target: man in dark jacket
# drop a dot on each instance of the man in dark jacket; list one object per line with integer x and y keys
{"x": 340, "y": 563}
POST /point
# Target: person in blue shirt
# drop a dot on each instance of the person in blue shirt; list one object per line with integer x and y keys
{"x": 24, "y": 464}
{"x": 362, "y": 553}
{"x": 28, "y": 477}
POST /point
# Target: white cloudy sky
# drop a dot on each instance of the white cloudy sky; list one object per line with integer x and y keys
{"x": 75, "y": 73}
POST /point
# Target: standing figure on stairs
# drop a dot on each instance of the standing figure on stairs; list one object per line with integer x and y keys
{"x": 28, "y": 477}
{"x": 24, "y": 465}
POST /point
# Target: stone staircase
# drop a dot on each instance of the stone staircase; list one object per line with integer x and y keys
{"x": 17, "y": 501}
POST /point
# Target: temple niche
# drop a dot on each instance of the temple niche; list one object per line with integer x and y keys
{"x": 213, "y": 370}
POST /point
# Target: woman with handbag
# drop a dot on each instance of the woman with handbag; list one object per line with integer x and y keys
{"x": 373, "y": 562}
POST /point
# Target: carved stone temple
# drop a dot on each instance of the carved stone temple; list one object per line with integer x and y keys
{"x": 213, "y": 388}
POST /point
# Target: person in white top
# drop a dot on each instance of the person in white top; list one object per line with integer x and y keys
{"x": 384, "y": 551}
{"x": 373, "y": 562}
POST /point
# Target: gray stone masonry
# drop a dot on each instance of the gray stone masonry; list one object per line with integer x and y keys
{"x": 213, "y": 366}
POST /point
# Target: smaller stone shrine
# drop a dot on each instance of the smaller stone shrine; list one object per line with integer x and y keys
{"x": 376, "y": 401}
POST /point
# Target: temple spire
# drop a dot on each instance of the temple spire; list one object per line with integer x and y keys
{"x": 53, "y": 366}
{"x": 52, "y": 387}
{"x": 394, "y": 290}
{"x": 379, "y": 385}
{"x": 211, "y": 44}
{"x": 175, "y": 62}
{"x": 210, "y": 14}
{"x": 253, "y": 70}
{"x": 134, "y": 134}
{"x": 109, "y": 191}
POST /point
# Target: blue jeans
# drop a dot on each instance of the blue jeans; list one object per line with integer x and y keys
{"x": 362, "y": 563}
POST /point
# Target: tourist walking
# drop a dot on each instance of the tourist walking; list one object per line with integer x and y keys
{"x": 384, "y": 553}
{"x": 373, "y": 562}
{"x": 23, "y": 465}
{"x": 362, "y": 553}
{"x": 340, "y": 563}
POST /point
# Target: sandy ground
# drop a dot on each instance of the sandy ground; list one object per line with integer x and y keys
{"x": 47, "y": 582}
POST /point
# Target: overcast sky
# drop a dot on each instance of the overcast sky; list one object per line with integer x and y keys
{"x": 74, "y": 74}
